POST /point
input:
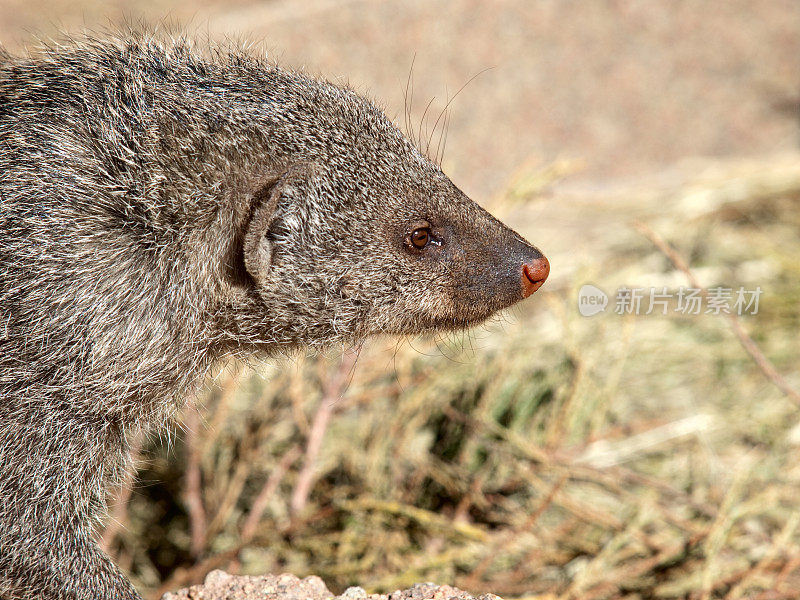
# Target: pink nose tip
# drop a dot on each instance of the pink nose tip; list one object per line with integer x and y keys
{"x": 534, "y": 274}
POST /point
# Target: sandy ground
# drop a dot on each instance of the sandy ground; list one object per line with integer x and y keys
{"x": 625, "y": 86}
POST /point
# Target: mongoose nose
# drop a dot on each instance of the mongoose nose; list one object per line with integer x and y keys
{"x": 534, "y": 274}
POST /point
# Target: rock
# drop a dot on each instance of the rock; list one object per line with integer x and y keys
{"x": 221, "y": 586}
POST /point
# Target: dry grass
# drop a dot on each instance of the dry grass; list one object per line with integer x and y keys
{"x": 547, "y": 455}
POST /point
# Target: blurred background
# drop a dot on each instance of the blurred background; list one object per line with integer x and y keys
{"x": 546, "y": 455}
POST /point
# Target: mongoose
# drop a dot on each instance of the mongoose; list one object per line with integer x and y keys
{"x": 161, "y": 208}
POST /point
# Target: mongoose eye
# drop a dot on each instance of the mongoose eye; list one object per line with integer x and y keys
{"x": 420, "y": 238}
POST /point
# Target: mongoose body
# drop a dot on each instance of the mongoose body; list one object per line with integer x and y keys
{"x": 160, "y": 210}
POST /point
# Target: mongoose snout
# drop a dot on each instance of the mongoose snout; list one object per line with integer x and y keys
{"x": 534, "y": 274}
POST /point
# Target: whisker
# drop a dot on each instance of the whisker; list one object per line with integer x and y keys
{"x": 422, "y": 122}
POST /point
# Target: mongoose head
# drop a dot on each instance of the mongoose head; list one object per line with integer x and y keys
{"x": 359, "y": 233}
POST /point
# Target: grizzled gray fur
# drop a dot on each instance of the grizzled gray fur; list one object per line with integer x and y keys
{"x": 160, "y": 210}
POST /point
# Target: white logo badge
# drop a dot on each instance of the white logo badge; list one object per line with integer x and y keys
{"x": 591, "y": 300}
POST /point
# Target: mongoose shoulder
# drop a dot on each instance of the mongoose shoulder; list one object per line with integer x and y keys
{"x": 162, "y": 208}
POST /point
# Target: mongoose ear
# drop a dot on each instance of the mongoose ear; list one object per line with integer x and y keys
{"x": 257, "y": 247}
{"x": 266, "y": 200}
